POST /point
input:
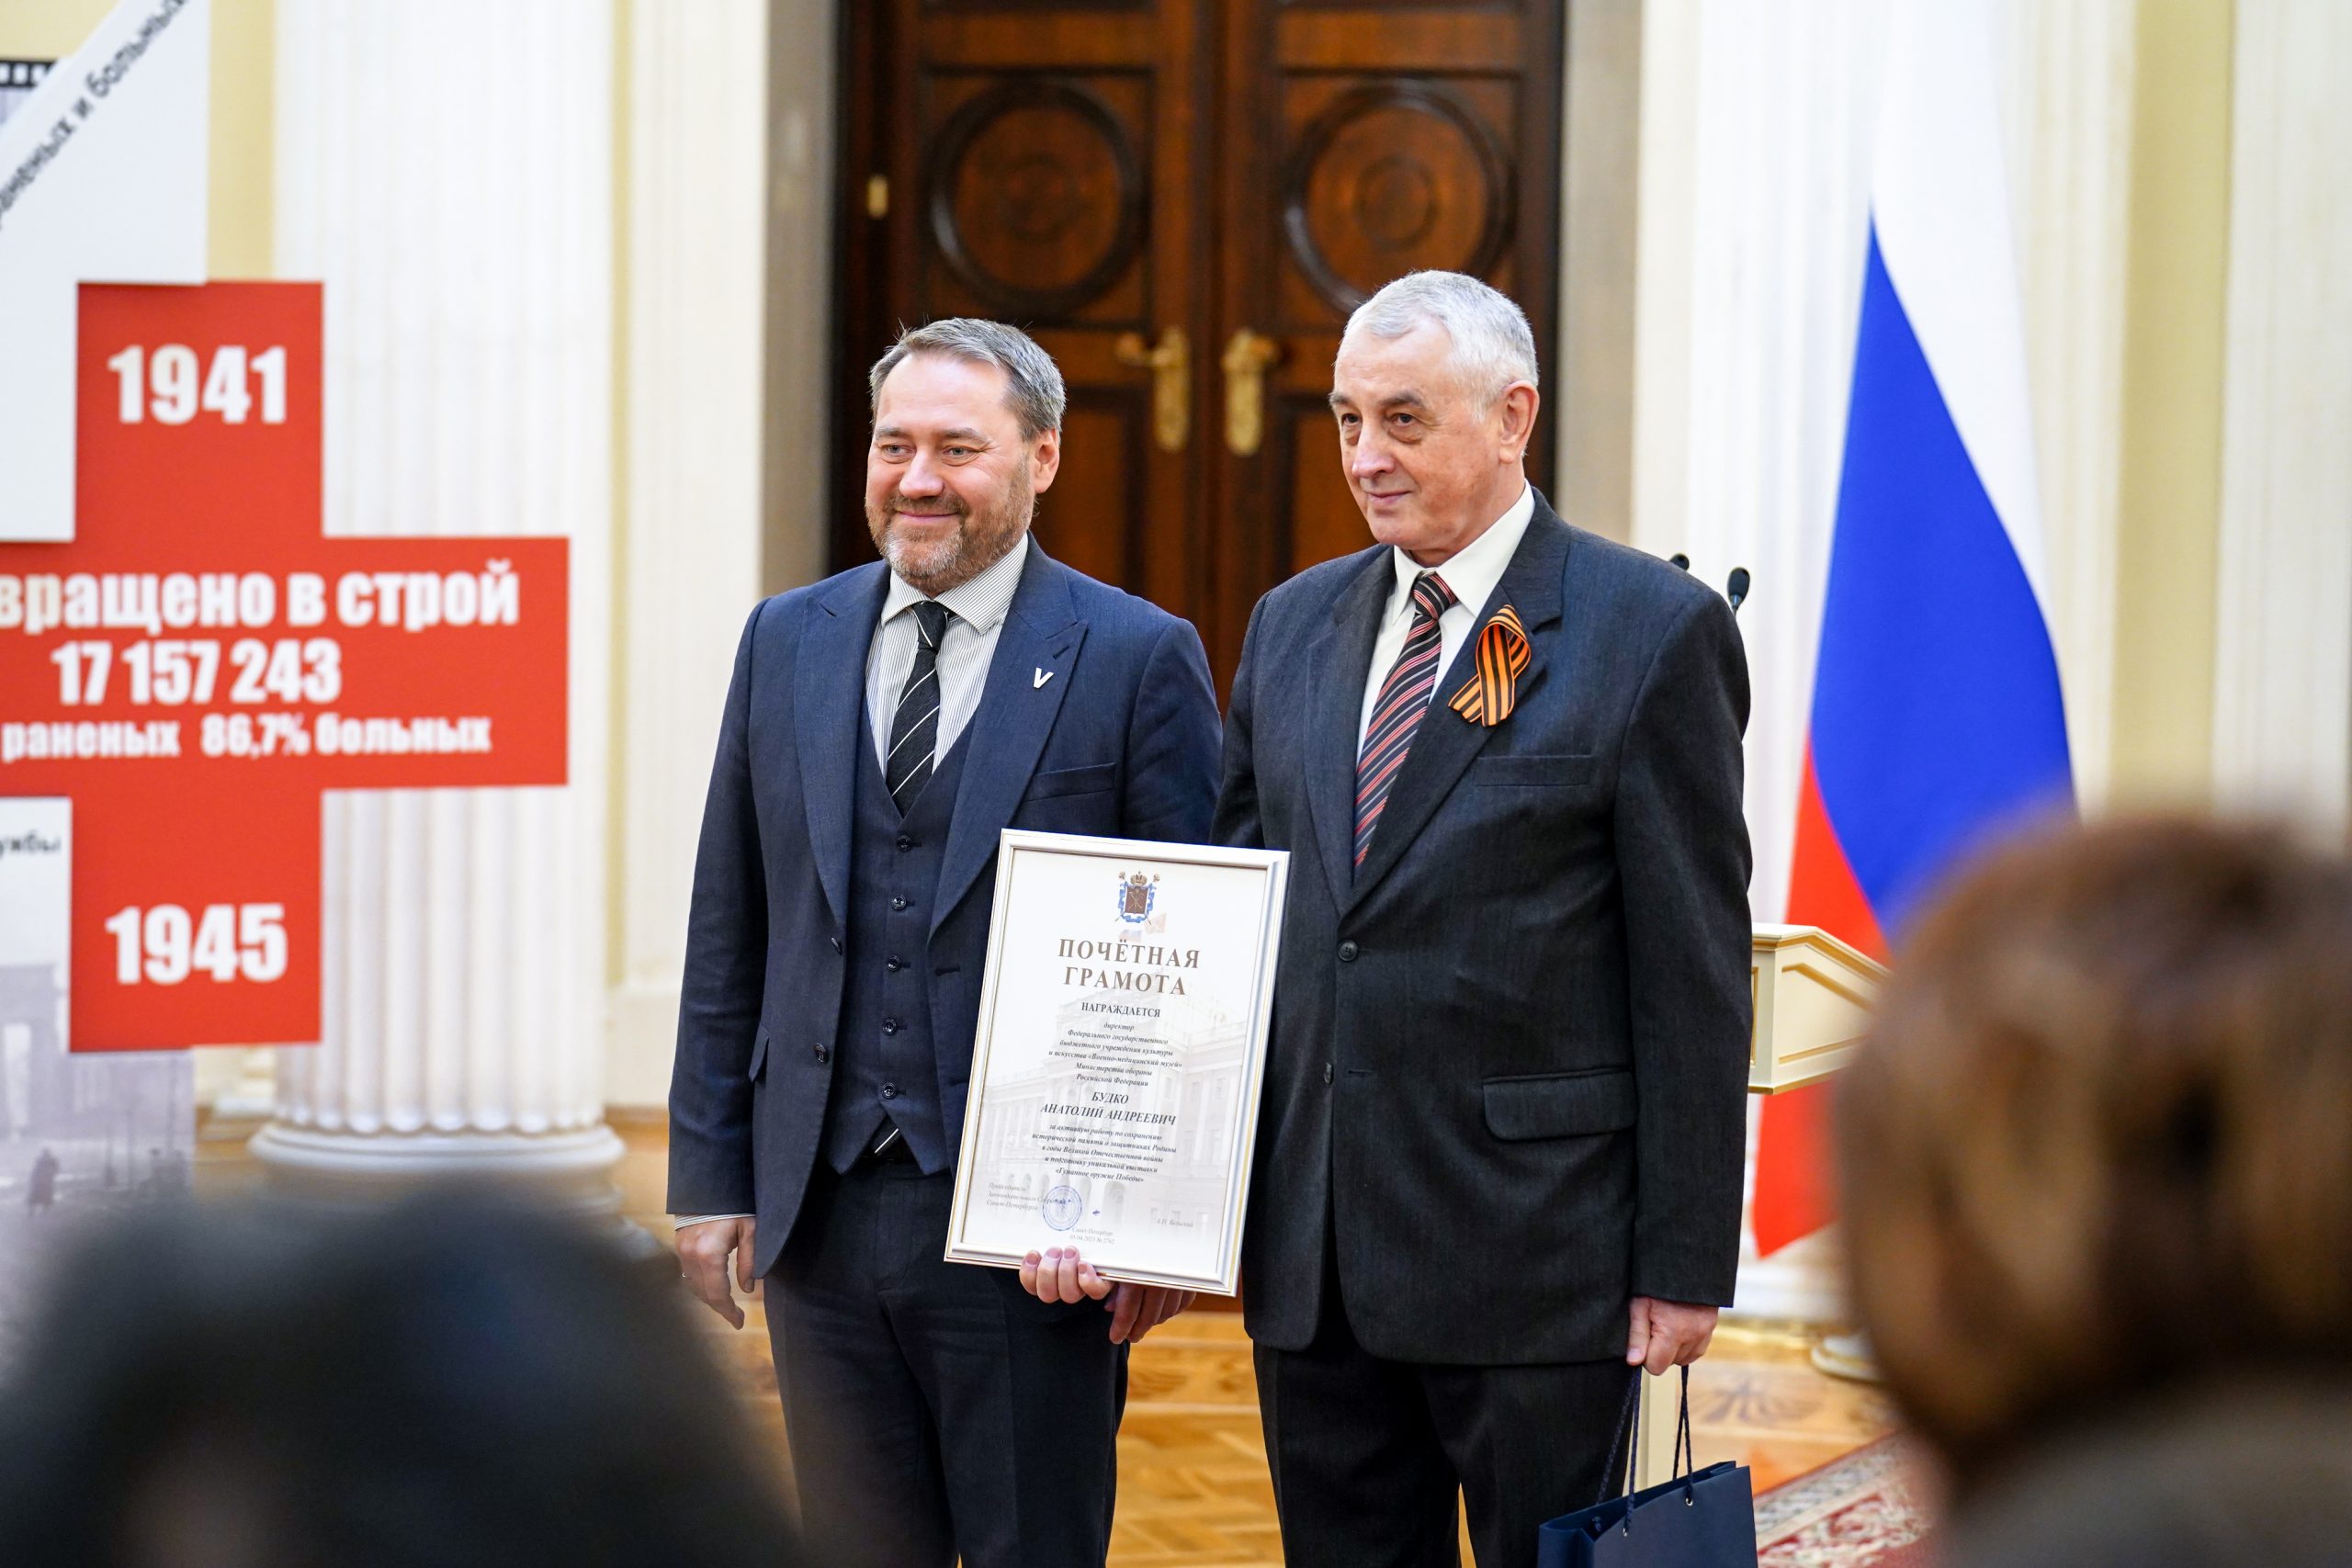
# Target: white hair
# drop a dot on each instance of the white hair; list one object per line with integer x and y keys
{"x": 1493, "y": 346}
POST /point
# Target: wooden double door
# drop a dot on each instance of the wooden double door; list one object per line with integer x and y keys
{"x": 1182, "y": 200}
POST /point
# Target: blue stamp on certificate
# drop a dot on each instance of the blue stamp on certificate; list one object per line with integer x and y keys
{"x": 1062, "y": 1207}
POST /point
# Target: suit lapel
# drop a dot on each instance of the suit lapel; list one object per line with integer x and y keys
{"x": 1336, "y": 666}
{"x": 1446, "y": 743}
{"x": 1041, "y": 637}
{"x": 829, "y": 692}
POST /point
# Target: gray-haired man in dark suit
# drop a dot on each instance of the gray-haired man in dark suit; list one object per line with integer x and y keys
{"x": 1499, "y": 1158}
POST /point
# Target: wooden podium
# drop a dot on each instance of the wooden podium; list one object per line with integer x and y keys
{"x": 1813, "y": 996}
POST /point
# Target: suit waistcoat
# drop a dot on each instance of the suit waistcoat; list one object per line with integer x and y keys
{"x": 887, "y": 1066}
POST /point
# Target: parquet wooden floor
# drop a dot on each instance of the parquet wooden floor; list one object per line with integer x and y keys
{"x": 1194, "y": 1491}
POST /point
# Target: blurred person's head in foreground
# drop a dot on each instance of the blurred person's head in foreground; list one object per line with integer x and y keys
{"x": 2222, "y": 1477}
{"x": 450, "y": 1381}
{"x": 2096, "y": 1156}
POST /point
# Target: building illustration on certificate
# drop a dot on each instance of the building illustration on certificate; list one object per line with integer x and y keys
{"x": 1184, "y": 1065}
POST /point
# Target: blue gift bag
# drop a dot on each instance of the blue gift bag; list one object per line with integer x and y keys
{"x": 1701, "y": 1519}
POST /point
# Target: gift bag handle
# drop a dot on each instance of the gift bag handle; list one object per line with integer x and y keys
{"x": 1685, "y": 1451}
{"x": 1628, "y": 1439}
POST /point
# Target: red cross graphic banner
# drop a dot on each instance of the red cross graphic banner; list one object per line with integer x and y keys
{"x": 201, "y": 662}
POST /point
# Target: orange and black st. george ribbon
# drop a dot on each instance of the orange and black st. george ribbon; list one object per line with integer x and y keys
{"x": 1502, "y": 654}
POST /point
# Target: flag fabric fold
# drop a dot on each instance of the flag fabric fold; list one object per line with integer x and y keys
{"x": 1937, "y": 720}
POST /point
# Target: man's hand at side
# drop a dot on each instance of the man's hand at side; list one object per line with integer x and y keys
{"x": 1668, "y": 1334}
{"x": 703, "y": 1251}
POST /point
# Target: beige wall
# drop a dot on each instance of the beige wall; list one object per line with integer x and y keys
{"x": 48, "y": 30}
{"x": 2169, "y": 523}
{"x": 243, "y": 63}
{"x": 707, "y": 223}
{"x": 1591, "y": 391}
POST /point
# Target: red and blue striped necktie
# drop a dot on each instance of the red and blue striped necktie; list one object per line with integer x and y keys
{"x": 1403, "y": 698}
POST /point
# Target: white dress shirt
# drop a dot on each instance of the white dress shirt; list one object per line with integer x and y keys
{"x": 1471, "y": 573}
{"x": 966, "y": 649}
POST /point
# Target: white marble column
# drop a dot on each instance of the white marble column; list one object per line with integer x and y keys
{"x": 446, "y": 166}
{"x": 697, "y": 211}
{"x": 2282, "y": 679}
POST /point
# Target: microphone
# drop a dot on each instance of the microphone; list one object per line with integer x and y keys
{"x": 1681, "y": 560}
{"x": 1737, "y": 590}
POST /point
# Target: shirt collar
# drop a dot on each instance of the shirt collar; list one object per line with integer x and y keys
{"x": 980, "y": 604}
{"x": 1473, "y": 570}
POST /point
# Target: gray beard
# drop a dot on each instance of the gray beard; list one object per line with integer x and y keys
{"x": 947, "y": 562}
{"x": 952, "y": 562}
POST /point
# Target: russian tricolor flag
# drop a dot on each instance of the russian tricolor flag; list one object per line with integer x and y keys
{"x": 1936, "y": 719}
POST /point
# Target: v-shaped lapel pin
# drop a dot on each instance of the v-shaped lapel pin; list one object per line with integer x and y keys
{"x": 1038, "y": 681}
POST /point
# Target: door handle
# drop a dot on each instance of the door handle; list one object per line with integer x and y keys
{"x": 1171, "y": 365}
{"x": 1247, "y": 356}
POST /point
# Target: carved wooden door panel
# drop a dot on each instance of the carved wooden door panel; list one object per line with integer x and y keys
{"x": 1044, "y": 166}
{"x": 1381, "y": 138}
{"x": 1182, "y": 200}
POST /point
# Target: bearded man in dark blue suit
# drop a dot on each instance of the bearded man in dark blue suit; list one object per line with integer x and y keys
{"x": 880, "y": 729}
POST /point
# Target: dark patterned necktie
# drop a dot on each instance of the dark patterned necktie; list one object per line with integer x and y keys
{"x": 1403, "y": 698}
{"x": 914, "y": 728}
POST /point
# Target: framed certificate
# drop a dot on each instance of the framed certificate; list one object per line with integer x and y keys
{"x": 1121, "y": 1048}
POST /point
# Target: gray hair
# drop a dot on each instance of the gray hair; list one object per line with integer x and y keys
{"x": 1493, "y": 346}
{"x": 1034, "y": 382}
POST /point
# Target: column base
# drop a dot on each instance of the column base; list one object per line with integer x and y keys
{"x": 571, "y": 1170}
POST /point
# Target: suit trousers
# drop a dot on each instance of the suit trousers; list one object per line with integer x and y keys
{"x": 1367, "y": 1454}
{"x": 935, "y": 1409}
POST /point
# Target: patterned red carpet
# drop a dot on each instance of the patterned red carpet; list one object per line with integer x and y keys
{"x": 1866, "y": 1510}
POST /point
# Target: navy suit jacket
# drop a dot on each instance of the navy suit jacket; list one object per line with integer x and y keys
{"x": 1120, "y": 739}
{"x": 1507, "y": 1078}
